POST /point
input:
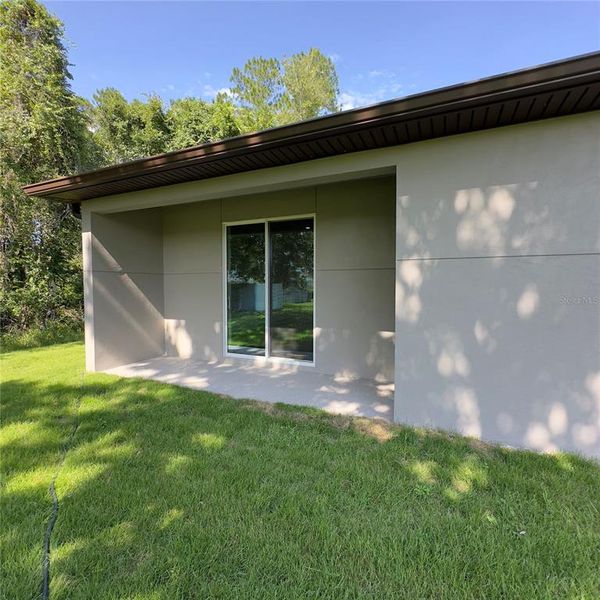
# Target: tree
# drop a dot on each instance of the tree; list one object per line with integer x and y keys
{"x": 271, "y": 93}
{"x": 311, "y": 85}
{"x": 149, "y": 129}
{"x": 258, "y": 88}
{"x": 127, "y": 130}
{"x": 193, "y": 121}
{"x": 43, "y": 134}
{"x": 224, "y": 121}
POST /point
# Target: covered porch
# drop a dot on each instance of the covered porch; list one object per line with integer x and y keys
{"x": 179, "y": 295}
{"x": 270, "y": 382}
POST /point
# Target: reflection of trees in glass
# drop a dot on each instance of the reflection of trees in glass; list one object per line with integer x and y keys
{"x": 292, "y": 329}
{"x": 291, "y": 267}
{"x": 245, "y": 287}
{"x": 246, "y": 255}
{"x": 247, "y": 329}
{"x": 292, "y": 254}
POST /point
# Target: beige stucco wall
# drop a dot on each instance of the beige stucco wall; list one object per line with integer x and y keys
{"x": 193, "y": 311}
{"x": 354, "y": 272}
{"x": 498, "y": 285}
{"x": 123, "y": 276}
{"x": 355, "y": 278}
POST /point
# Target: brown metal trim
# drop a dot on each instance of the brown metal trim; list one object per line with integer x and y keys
{"x": 500, "y": 100}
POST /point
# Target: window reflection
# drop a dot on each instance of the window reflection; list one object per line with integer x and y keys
{"x": 291, "y": 288}
{"x": 290, "y": 296}
{"x": 246, "y": 289}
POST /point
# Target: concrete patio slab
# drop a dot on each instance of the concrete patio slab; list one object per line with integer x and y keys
{"x": 278, "y": 382}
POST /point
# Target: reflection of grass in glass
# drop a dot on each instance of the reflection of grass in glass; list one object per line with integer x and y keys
{"x": 298, "y": 317}
{"x": 247, "y": 328}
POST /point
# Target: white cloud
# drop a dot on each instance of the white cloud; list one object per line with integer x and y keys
{"x": 209, "y": 92}
{"x": 169, "y": 87}
{"x": 351, "y": 99}
{"x": 335, "y": 58}
{"x": 381, "y": 85}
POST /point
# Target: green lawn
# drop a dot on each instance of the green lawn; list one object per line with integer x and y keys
{"x": 248, "y": 328}
{"x": 169, "y": 493}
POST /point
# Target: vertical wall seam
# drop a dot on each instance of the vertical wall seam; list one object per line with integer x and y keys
{"x": 88, "y": 290}
{"x": 164, "y": 286}
{"x": 396, "y": 402}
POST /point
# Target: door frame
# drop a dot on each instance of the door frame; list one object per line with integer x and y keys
{"x": 267, "y": 357}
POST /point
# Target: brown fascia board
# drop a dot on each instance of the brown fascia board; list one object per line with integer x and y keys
{"x": 526, "y": 82}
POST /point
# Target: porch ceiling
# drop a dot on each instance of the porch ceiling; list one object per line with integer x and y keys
{"x": 561, "y": 88}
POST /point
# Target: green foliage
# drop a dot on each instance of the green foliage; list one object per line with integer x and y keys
{"x": 312, "y": 85}
{"x": 43, "y": 134}
{"x": 258, "y": 87}
{"x": 42, "y": 125}
{"x": 272, "y": 92}
{"x": 41, "y": 260}
{"x": 127, "y": 130}
{"x": 34, "y": 337}
{"x": 193, "y": 121}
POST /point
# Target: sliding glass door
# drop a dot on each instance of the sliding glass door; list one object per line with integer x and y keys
{"x": 270, "y": 289}
{"x": 291, "y": 289}
{"x": 246, "y": 302}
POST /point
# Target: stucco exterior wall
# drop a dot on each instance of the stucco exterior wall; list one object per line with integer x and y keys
{"x": 123, "y": 278}
{"x": 497, "y": 275}
{"x": 354, "y": 272}
{"x": 193, "y": 315}
{"x": 355, "y": 278}
{"x": 498, "y": 285}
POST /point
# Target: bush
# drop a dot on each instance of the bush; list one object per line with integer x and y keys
{"x": 54, "y": 333}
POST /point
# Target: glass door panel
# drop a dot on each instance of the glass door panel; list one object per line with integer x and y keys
{"x": 246, "y": 289}
{"x": 291, "y": 288}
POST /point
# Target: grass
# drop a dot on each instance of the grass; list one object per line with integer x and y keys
{"x": 247, "y": 328}
{"x": 171, "y": 493}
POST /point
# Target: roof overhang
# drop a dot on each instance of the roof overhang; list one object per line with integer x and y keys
{"x": 551, "y": 90}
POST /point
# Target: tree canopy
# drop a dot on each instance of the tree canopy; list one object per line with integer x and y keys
{"x": 270, "y": 92}
{"x": 311, "y": 85}
{"x": 258, "y": 88}
{"x": 127, "y": 130}
{"x": 193, "y": 121}
{"x": 42, "y": 135}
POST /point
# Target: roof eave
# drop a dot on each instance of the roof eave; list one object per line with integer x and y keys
{"x": 559, "y": 75}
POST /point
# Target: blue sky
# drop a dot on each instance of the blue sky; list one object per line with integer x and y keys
{"x": 381, "y": 50}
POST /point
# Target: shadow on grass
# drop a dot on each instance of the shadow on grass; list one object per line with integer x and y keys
{"x": 169, "y": 492}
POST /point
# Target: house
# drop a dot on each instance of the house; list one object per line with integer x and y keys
{"x": 440, "y": 252}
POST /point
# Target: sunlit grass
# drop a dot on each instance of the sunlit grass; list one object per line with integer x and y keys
{"x": 173, "y": 493}
{"x": 247, "y": 328}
